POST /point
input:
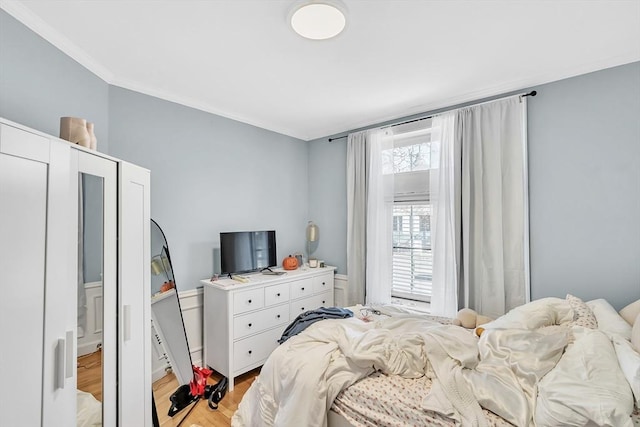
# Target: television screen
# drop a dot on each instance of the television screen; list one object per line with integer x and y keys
{"x": 245, "y": 251}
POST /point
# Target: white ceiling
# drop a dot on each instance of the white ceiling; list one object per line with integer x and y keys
{"x": 240, "y": 59}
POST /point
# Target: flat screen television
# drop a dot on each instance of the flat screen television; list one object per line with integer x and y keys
{"x": 246, "y": 251}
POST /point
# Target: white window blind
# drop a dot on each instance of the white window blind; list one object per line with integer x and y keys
{"x": 412, "y": 256}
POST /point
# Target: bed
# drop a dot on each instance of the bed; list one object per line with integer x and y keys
{"x": 550, "y": 362}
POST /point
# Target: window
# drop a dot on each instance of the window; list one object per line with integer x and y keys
{"x": 412, "y": 257}
{"x": 409, "y": 162}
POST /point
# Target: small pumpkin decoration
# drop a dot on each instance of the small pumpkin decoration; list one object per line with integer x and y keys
{"x": 290, "y": 263}
{"x": 166, "y": 286}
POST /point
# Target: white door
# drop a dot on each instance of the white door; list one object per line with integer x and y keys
{"x": 134, "y": 296}
{"x": 96, "y": 197}
{"x": 34, "y": 238}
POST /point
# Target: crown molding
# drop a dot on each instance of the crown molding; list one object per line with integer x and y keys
{"x": 198, "y": 105}
{"x": 44, "y": 30}
{"x": 48, "y": 33}
{"x": 495, "y": 90}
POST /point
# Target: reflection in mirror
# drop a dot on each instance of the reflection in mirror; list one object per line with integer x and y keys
{"x": 171, "y": 365}
{"x": 89, "y": 302}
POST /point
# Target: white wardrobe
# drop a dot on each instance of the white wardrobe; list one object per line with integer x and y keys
{"x": 44, "y": 249}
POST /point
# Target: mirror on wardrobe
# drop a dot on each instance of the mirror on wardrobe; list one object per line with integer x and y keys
{"x": 90, "y": 300}
{"x": 172, "y": 368}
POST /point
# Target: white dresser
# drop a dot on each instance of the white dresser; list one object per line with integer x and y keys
{"x": 243, "y": 321}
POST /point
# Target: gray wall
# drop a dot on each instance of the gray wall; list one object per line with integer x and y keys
{"x": 584, "y": 169}
{"x": 584, "y": 179}
{"x": 39, "y": 84}
{"x": 210, "y": 174}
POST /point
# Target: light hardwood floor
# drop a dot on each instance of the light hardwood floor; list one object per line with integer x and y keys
{"x": 90, "y": 374}
{"x": 89, "y": 380}
{"x": 201, "y": 415}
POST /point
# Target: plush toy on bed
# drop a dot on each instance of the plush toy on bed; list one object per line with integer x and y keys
{"x": 470, "y": 319}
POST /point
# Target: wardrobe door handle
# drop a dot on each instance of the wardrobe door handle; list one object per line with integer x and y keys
{"x": 60, "y": 362}
{"x": 70, "y": 367}
{"x": 64, "y": 359}
{"x": 126, "y": 315}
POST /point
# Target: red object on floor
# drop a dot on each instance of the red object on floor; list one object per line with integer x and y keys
{"x": 199, "y": 381}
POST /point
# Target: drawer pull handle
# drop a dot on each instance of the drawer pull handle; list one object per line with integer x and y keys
{"x": 249, "y": 351}
{"x": 323, "y": 283}
{"x": 323, "y": 301}
{"x": 278, "y": 316}
{"x": 250, "y": 323}
{"x": 302, "y": 309}
{"x": 278, "y": 294}
{"x": 302, "y": 289}
{"x": 249, "y": 301}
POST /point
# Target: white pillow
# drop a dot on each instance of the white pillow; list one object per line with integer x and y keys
{"x": 587, "y": 386}
{"x": 536, "y": 314}
{"x": 630, "y": 312}
{"x": 629, "y": 360}
{"x": 609, "y": 321}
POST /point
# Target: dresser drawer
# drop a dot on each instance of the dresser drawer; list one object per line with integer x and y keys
{"x": 257, "y": 321}
{"x": 255, "y": 349}
{"x": 276, "y": 294}
{"x": 248, "y": 300}
{"x": 302, "y": 305}
{"x": 323, "y": 283}
{"x": 301, "y": 288}
{"x": 324, "y": 299}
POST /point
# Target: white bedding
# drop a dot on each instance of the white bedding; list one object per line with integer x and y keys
{"x": 89, "y": 410}
{"x": 501, "y": 371}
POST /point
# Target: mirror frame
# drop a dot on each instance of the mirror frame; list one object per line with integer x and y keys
{"x": 177, "y": 398}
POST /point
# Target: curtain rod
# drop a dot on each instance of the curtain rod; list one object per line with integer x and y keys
{"x": 532, "y": 93}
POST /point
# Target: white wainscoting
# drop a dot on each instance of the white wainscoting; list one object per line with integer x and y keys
{"x": 191, "y": 304}
{"x": 159, "y": 358}
{"x": 340, "y": 290}
{"x": 92, "y": 337}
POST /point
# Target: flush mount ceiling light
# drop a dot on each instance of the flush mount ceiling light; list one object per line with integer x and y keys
{"x": 318, "y": 20}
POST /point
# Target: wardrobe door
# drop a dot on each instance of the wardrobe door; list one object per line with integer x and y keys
{"x": 134, "y": 296}
{"x": 96, "y": 249}
{"x": 35, "y": 225}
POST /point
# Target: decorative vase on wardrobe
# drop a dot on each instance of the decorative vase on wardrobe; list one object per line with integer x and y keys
{"x": 93, "y": 141}
{"x": 74, "y": 130}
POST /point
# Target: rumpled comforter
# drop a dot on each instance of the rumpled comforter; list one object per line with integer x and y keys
{"x": 501, "y": 371}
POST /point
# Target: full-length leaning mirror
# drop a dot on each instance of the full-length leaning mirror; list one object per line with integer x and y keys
{"x": 171, "y": 365}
